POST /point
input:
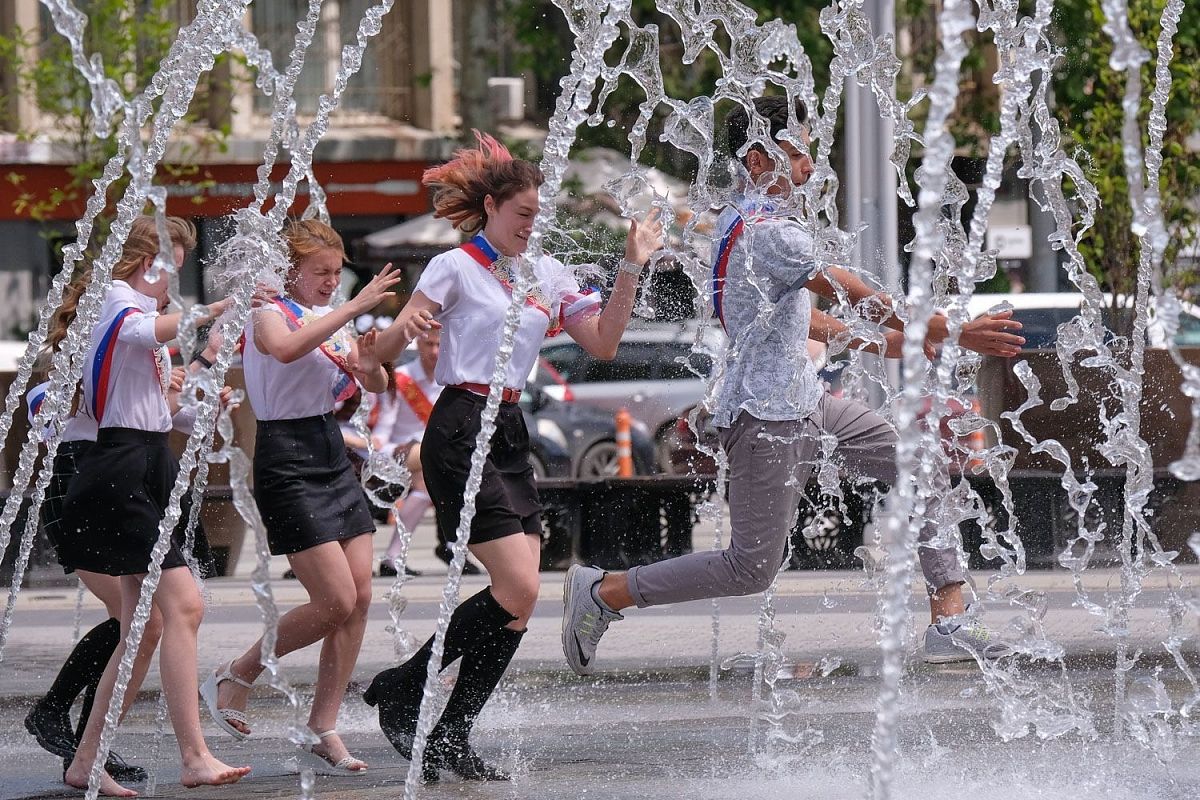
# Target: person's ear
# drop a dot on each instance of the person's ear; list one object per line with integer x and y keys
{"x": 754, "y": 162}
{"x": 489, "y": 205}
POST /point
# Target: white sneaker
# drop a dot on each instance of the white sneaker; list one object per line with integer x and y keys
{"x": 584, "y": 620}
{"x": 964, "y": 643}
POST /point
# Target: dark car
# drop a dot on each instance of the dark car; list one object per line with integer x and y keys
{"x": 567, "y": 440}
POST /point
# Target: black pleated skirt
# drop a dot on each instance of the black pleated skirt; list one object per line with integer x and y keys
{"x": 507, "y": 502}
{"x": 305, "y": 486}
{"x": 114, "y": 504}
{"x": 66, "y": 466}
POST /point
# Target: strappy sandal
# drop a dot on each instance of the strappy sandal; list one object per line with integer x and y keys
{"x": 223, "y": 716}
{"x": 309, "y": 758}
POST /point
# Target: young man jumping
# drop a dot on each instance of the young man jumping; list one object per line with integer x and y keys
{"x": 771, "y": 411}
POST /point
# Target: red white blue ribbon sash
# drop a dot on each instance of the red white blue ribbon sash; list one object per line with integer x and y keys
{"x": 337, "y": 348}
{"x": 481, "y": 250}
{"x": 721, "y": 265}
{"x": 102, "y": 363}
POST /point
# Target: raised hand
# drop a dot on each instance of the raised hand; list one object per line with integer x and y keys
{"x": 990, "y": 335}
{"x": 377, "y": 290}
{"x": 417, "y": 324}
{"x": 367, "y": 361}
{"x": 644, "y": 238}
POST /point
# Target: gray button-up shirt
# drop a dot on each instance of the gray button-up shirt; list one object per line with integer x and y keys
{"x": 767, "y": 369}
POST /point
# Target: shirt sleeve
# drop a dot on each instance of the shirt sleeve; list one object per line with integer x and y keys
{"x": 783, "y": 250}
{"x": 138, "y": 330}
{"x": 184, "y": 419}
{"x": 575, "y": 304}
{"x": 439, "y": 281}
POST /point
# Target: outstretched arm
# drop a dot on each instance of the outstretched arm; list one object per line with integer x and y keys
{"x": 600, "y": 335}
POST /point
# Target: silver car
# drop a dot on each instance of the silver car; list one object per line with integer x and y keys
{"x": 656, "y": 374}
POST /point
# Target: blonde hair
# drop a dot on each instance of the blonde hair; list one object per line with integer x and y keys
{"x": 143, "y": 243}
{"x": 305, "y": 237}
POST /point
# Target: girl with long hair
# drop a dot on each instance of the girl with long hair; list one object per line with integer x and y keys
{"x": 114, "y": 504}
{"x": 466, "y": 292}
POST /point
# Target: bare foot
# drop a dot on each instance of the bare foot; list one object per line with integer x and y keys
{"x": 333, "y": 749}
{"x": 77, "y": 778}
{"x": 207, "y": 770}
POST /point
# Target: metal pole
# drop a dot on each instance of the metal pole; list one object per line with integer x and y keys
{"x": 870, "y": 180}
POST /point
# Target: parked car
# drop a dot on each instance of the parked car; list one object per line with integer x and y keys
{"x": 569, "y": 440}
{"x": 656, "y": 375}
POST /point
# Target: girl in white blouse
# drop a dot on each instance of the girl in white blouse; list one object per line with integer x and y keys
{"x": 299, "y": 361}
{"x": 113, "y": 507}
{"x": 466, "y": 292}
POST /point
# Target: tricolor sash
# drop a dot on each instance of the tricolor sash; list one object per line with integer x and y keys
{"x": 102, "y": 363}
{"x": 407, "y": 388}
{"x": 480, "y": 249}
{"x": 37, "y": 396}
{"x": 721, "y": 265}
{"x": 336, "y": 348}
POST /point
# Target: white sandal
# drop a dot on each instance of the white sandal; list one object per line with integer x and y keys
{"x": 309, "y": 758}
{"x": 223, "y": 716}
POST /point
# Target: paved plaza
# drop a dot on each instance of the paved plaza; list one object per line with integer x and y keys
{"x": 646, "y": 725}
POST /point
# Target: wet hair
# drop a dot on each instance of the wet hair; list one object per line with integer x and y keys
{"x": 142, "y": 244}
{"x": 460, "y": 186}
{"x": 304, "y": 237}
{"x": 773, "y": 109}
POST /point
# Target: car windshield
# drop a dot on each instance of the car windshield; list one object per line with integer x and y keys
{"x": 1041, "y": 326}
{"x": 635, "y": 361}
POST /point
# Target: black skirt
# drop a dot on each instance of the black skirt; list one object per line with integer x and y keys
{"x": 66, "y": 466}
{"x": 304, "y": 485}
{"x": 507, "y": 502}
{"x": 114, "y": 505}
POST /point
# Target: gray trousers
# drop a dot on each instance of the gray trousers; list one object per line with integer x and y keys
{"x": 769, "y": 464}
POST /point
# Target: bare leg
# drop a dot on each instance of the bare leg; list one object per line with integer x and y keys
{"x": 339, "y": 653}
{"x": 182, "y": 611}
{"x": 946, "y": 602}
{"x": 80, "y": 768}
{"x": 332, "y": 597}
{"x": 108, "y": 589}
{"x": 513, "y": 568}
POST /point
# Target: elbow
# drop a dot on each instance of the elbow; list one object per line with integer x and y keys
{"x": 286, "y": 356}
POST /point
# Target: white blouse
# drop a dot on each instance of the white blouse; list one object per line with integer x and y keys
{"x": 474, "y": 304}
{"x": 303, "y": 388}
{"x": 78, "y": 428}
{"x": 125, "y": 384}
{"x": 405, "y": 426}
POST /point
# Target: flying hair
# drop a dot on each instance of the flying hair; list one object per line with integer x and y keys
{"x": 460, "y": 185}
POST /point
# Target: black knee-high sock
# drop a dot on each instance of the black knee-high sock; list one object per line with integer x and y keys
{"x": 84, "y": 666}
{"x": 85, "y": 711}
{"x": 474, "y": 621}
{"x": 398, "y": 691}
{"x": 478, "y": 676}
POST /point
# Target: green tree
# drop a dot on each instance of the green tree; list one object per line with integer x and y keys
{"x": 1088, "y": 96}
{"x": 131, "y": 39}
{"x": 545, "y": 45}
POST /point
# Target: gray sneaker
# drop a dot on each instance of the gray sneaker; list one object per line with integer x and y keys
{"x": 584, "y": 620}
{"x": 964, "y": 643}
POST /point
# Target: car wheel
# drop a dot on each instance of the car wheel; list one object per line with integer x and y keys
{"x": 539, "y": 466}
{"x": 600, "y": 461}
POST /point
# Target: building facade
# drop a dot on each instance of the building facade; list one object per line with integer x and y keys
{"x": 398, "y": 115}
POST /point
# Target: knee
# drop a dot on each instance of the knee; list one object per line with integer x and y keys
{"x": 519, "y": 596}
{"x": 337, "y": 608}
{"x": 362, "y": 599}
{"x": 191, "y": 612}
{"x": 751, "y": 576}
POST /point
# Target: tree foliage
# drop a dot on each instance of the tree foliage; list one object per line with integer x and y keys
{"x": 1088, "y": 96}
{"x": 546, "y": 44}
{"x": 132, "y": 40}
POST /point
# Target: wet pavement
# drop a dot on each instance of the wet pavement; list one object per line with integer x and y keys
{"x": 646, "y": 726}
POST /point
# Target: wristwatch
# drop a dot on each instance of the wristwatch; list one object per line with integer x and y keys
{"x": 200, "y": 357}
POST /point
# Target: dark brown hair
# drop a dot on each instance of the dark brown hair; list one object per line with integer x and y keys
{"x": 773, "y": 109}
